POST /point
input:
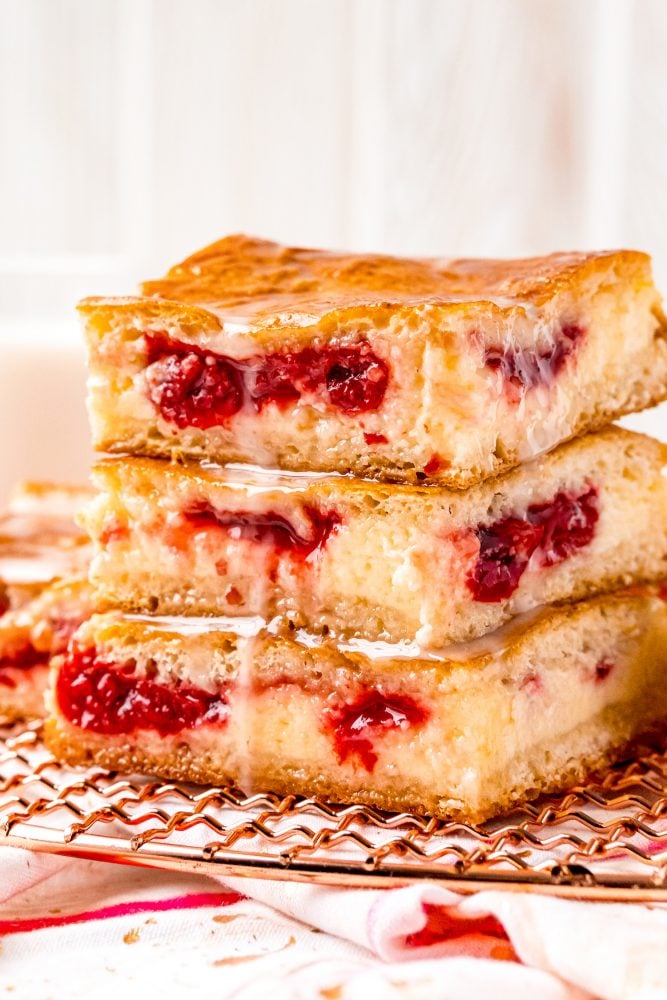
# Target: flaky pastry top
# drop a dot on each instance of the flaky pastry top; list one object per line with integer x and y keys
{"x": 256, "y": 282}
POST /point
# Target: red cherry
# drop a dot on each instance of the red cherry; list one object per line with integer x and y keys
{"x": 356, "y": 724}
{"x": 192, "y": 387}
{"x": 269, "y": 528}
{"x": 555, "y": 530}
{"x": 524, "y": 368}
{"x": 103, "y": 697}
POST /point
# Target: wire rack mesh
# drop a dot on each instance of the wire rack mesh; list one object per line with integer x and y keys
{"x": 604, "y": 840}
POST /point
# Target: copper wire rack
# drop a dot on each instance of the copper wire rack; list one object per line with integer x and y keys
{"x": 605, "y": 840}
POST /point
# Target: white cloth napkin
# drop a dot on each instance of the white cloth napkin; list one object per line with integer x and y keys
{"x": 76, "y": 928}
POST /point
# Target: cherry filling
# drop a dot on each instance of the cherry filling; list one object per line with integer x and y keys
{"x": 193, "y": 387}
{"x": 268, "y": 528}
{"x": 354, "y": 725}
{"x": 107, "y": 698}
{"x": 435, "y": 464}
{"x": 553, "y": 530}
{"x": 195, "y": 390}
{"x": 524, "y": 368}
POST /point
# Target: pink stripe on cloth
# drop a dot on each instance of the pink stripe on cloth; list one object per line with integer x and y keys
{"x": 195, "y": 900}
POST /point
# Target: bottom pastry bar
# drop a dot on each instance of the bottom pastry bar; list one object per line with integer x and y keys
{"x": 466, "y": 732}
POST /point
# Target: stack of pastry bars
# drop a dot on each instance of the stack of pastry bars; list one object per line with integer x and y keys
{"x": 431, "y": 582}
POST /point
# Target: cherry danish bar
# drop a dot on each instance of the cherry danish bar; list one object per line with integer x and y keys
{"x": 447, "y": 371}
{"x": 44, "y": 595}
{"x": 30, "y": 636}
{"x": 466, "y": 731}
{"x": 380, "y": 561}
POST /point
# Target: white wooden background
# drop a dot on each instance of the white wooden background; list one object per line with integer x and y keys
{"x": 134, "y": 131}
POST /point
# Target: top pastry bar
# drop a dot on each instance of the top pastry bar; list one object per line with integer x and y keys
{"x": 409, "y": 370}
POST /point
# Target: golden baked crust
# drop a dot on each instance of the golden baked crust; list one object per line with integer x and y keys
{"x": 205, "y": 636}
{"x": 264, "y": 284}
{"x": 182, "y": 764}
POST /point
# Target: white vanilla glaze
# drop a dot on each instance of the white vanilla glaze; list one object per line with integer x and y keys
{"x": 185, "y": 625}
{"x": 493, "y": 644}
{"x": 307, "y": 313}
{"x": 255, "y": 479}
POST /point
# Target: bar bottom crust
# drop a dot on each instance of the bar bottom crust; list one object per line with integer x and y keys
{"x": 467, "y": 734}
{"x": 548, "y": 770}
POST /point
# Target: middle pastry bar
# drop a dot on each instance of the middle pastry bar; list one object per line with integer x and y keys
{"x": 374, "y": 560}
